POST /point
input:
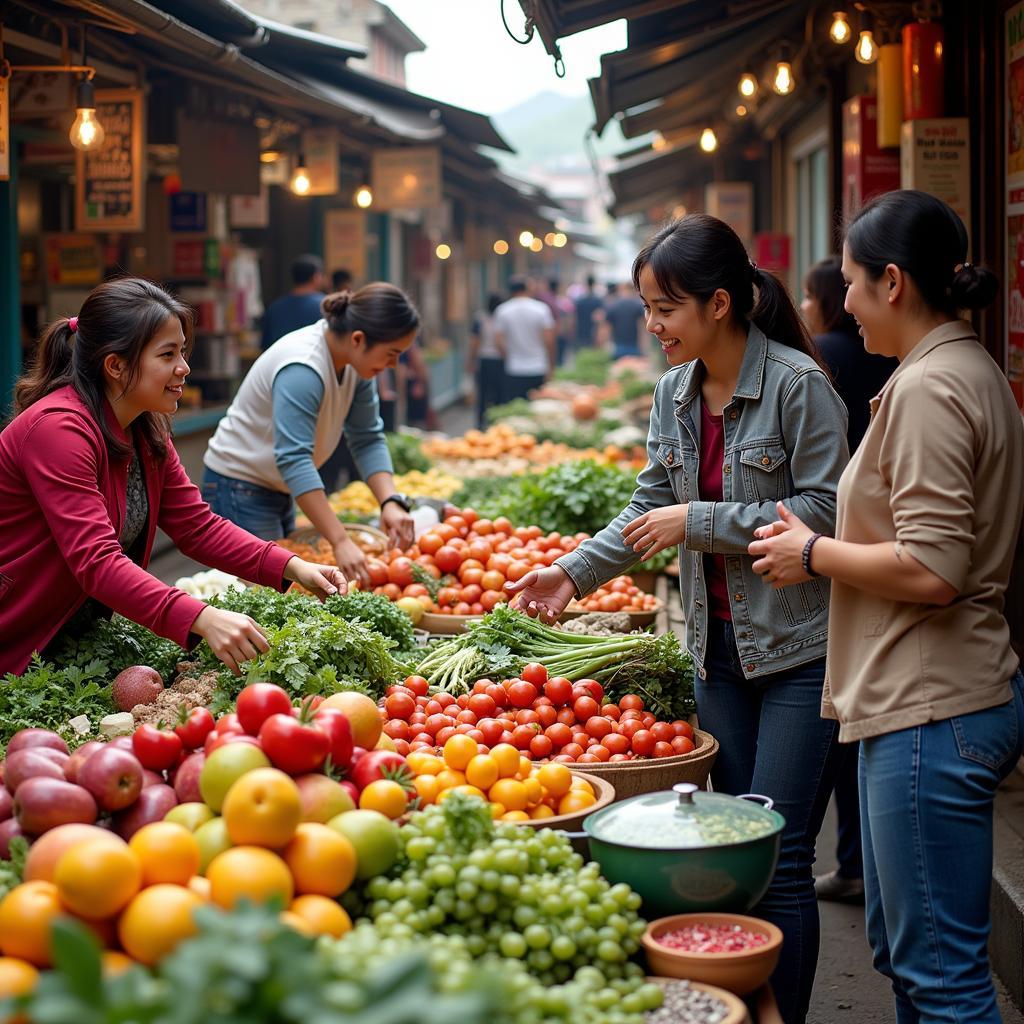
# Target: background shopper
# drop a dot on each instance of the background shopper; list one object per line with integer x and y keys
{"x": 624, "y": 316}
{"x": 525, "y": 335}
{"x": 587, "y": 305}
{"x": 920, "y": 666}
{"x": 87, "y": 474}
{"x": 301, "y": 306}
{"x": 484, "y": 362}
{"x": 745, "y": 414}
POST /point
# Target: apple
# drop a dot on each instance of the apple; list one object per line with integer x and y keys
{"x": 224, "y": 767}
{"x": 6, "y": 805}
{"x": 191, "y": 814}
{"x": 152, "y": 805}
{"x": 375, "y": 837}
{"x": 151, "y": 778}
{"x": 323, "y": 798}
{"x": 113, "y": 777}
{"x": 186, "y": 778}
{"x": 122, "y": 743}
{"x": 44, "y": 853}
{"x": 29, "y": 762}
{"x": 74, "y": 763}
{"x": 25, "y": 738}
{"x": 351, "y": 788}
{"x": 212, "y": 838}
{"x": 41, "y": 804}
{"x": 8, "y": 830}
{"x": 263, "y": 808}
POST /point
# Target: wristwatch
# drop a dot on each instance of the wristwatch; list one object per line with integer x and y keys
{"x": 401, "y": 500}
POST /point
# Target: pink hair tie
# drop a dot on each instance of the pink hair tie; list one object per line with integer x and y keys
{"x": 73, "y": 324}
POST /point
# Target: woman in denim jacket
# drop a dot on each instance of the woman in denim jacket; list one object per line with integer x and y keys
{"x": 745, "y": 417}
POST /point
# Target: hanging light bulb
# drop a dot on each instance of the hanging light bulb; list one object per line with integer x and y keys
{"x": 526, "y": 239}
{"x": 443, "y": 251}
{"x": 840, "y": 30}
{"x": 501, "y": 247}
{"x": 300, "y": 183}
{"x": 86, "y": 132}
{"x": 741, "y": 110}
{"x": 747, "y": 85}
{"x": 782, "y": 81}
{"x": 708, "y": 140}
{"x": 364, "y": 197}
{"x": 866, "y": 50}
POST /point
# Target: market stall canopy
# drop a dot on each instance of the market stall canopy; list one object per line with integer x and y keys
{"x": 649, "y": 178}
{"x": 555, "y": 19}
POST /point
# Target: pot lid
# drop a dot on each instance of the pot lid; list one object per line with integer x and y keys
{"x": 685, "y": 818}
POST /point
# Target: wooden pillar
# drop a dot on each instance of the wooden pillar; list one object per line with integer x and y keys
{"x": 10, "y": 287}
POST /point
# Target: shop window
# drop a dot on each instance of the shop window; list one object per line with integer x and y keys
{"x": 813, "y": 210}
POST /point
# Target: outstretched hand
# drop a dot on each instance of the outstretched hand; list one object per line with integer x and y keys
{"x": 543, "y": 593}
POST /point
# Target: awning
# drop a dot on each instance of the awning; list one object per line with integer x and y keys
{"x": 649, "y": 179}
{"x": 555, "y": 19}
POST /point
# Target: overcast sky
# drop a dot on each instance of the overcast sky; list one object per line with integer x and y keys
{"x": 470, "y": 61}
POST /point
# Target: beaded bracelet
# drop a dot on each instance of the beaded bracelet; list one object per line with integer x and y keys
{"x": 806, "y": 557}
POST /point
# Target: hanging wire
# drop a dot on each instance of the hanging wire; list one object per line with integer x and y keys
{"x": 529, "y": 25}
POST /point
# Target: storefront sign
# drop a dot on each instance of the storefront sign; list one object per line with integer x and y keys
{"x": 320, "y": 148}
{"x": 5, "y": 128}
{"x": 935, "y": 157}
{"x": 41, "y": 93}
{"x": 407, "y": 178}
{"x": 867, "y": 170}
{"x": 733, "y": 202}
{"x": 250, "y": 211}
{"x": 73, "y": 260}
{"x": 188, "y": 211}
{"x": 108, "y": 190}
{"x": 345, "y": 242}
{"x": 772, "y": 252}
{"x": 1014, "y": 201}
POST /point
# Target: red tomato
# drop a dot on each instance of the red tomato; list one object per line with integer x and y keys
{"x": 491, "y": 729}
{"x": 400, "y": 705}
{"x": 593, "y": 687}
{"x": 611, "y": 711}
{"x": 631, "y": 702}
{"x": 663, "y": 732}
{"x": 541, "y": 747}
{"x": 522, "y": 735}
{"x": 466, "y": 717}
{"x": 433, "y": 707}
{"x": 294, "y": 746}
{"x": 445, "y": 734}
{"x": 643, "y": 743}
{"x": 400, "y": 572}
{"x": 338, "y": 728}
{"x": 448, "y": 597}
{"x": 567, "y": 716}
{"x": 194, "y": 726}
{"x": 257, "y": 702}
{"x": 582, "y": 737}
{"x": 598, "y": 726}
{"x": 228, "y": 723}
{"x": 535, "y": 673}
{"x": 448, "y": 559}
{"x": 682, "y": 728}
{"x": 480, "y": 686}
{"x": 216, "y": 740}
{"x": 445, "y": 699}
{"x": 482, "y": 705}
{"x": 618, "y": 758}
{"x": 587, "y": 758}
{"x": 616, "y": 743}
{"x": 526, "y": 716}
{"x": 397, "y": 729}
{"x": 546, "y": 714}
{"x": 155, "y": 748}
{"x": 630, "y": 716}
{"x": 662, "y": 749}
{"x": 584, "y": 708}
{"x": 430, "y": 543}
{"x": 378, "y": 764}
{"x": 630, "y": 727}
{"x": 573, "y": 750}
{"x": 498, "y": 694}
{"x": 522, "y": 694}
{"x": 558, "y": 690}
{"x": 559, "y": 734}
{"x": 378, "y": 572}
{"x": 435, "y": 723}
{"x": 682, "y": 745}
{"x": 601, "y": 752}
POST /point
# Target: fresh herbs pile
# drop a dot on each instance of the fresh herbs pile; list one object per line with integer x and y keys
{"x": 504, "y": 641}
{"x": 407, "y": 454}
{"x": 591, "y": 366}
{"x": 116, "y": 643}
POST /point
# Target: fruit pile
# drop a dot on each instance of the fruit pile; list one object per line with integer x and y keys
{"x": 541, "y": 717}
{"x": 358, "y": 499}
{"x": 460, "y": 566}
{"x": 618, "y": 595}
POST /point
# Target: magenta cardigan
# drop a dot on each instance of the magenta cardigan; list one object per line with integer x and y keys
{"x": 62, "y": 504}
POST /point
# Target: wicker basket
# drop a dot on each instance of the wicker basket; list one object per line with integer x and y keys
{"x": 374, "y": 541}
{"x": 603, "y": 790}
{"x": 638, "y": 620}
{"x": 630, "y": 778}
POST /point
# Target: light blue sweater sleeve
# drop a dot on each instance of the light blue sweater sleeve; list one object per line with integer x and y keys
{"x": 298, "y": 394}
{"x": 364, "y": 432}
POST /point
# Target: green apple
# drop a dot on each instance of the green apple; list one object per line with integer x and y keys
{"x": 225, "y": 766}
{"x": 191, "y": 815}
{"x": 375, "y": 838}
{"x": 212, "y": 838}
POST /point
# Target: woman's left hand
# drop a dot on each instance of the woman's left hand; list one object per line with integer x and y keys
{"x": 321, "y": 580}
{"x": 398, "y": 525}
{"x": 656, "y": 530}
{"x": 779, "y": 550}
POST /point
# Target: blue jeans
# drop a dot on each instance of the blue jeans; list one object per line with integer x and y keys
{"x": 849, "y": 845}
{"x": 774, "y": 741}
{"x": 266, "y": 514}
{"x": 926, "y": 814}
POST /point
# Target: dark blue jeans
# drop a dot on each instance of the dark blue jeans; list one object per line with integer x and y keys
{"x": 926, "y": 814}
{"x": 849, "y": 845}
{"x": 490, "y": 386}
{"x": 774, "y": 741}
{"x": 266, "y": 514}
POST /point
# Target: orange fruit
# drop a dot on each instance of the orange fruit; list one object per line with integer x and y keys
{"x": 534, "y": 791}
{"x": 17, "y": 977}
{"x": 555, "y": 777}
{"x": 525, "y": 768}
{"x": 95, "y": 879}
{"x": 541, "y": 811}
{"x": 45, "y": 851}
{"x": 464, "y": 790}
{"x": 364, "y": 716}
{"x": 482, "y": 771}
{"x": 167, "y": 852}
{"x": 115, "y": 962}
{"x": 509, "y": 792}
{"x": 497, "y": 810}
{"x": 507, "y": 757}
{"x": 515, "y": 816}
{"x": 574, "y": 801}
{"x": 26, "y": 914}
{"x": 249, "y": 872}
{"x": 200, "y": 886}
{"x": 297, "y": 923}
{"x": 323, "y": 916}
{"x": 263, "y": 808}
{"x": 459, "y": 750}
{"x": 157, "y": 920}
{"x": 427, "y": 788}
{"x": 582, "y": 785}
{"x": 450, "y": 778}
{"x": 321, "y": 860}
{"x": 386, "y": 796}
{"x": 421, "y": 762}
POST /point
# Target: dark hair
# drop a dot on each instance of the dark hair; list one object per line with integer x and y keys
{"x": 118, "y": 318}
{"x": 824, "y": 283}
{"x": 517, "y": 285}
{"x": 553, "y": 284}
{"x": 341, "y": 279}
{"x": 494, "y": 300}
{"x": 591, "y": 280}
{"x": 380, "y": 310}
{"x": 925, "y": 238}
{"x": 698, "y": 254}
{"x": 305, "y": 268}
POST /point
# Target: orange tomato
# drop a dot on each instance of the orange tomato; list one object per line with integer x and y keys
{"x": 515, "y": 816}
{"x": 482, "y": 771}
{"x": 582, "y": 784}
{"x": 574, "y": 801}
{"x": 427, "y": 788}
{"x": 363, "y": 714}
{"x": 385, "y": 796}
{"x": 248, "y": 872}
{"x": 17, "y": 977}
{"x": 422, "y": 762}
{"x": 450, "y": 778}
{"x": 511, "y": 793}
{"x": 114, "y": 962}
{"x": 430, "y": 543}
{"x": 262, "y": 808}
{"x": 97, "y": 880}
{"x": 459, "y": 750}
{"x": 471, "y": 575}
{"x": 322, "y": 915}
{"x": 26, "y": 914}
{"x": 156, "y": 920}
{"x": 321, "y": 860}
{"x": 534, "y": 792}
{"x": 167, "y": 852}
{"x": 507, "y": 757}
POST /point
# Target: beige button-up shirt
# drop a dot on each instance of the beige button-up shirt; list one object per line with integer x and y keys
{"x": 940, "y": 473}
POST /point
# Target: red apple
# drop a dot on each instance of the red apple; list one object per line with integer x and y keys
{"x": 113, "y": 777}
{"x": 352, "y": 789}
{"x": 6, "y": 805}
{"x": 8, "y": 830}
{"x": 29, "y": 762}
{"x": 121, "y": 743}
{"x": 74, "y": 763}
{"x": 186, "y": 778}
{"x": 36, "y": 738}
{"x": 151, "y": 778}
{"x": 137, "y": 684}
{"x": 323, "y": 798}
{"x": 41, "y": 804}
{"x": 152, "y": 805}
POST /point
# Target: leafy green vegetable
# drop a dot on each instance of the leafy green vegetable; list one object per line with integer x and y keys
{"x": 117, "y": 643}
{"x": 376, "y": 613}
{"x": 407, "y": 453}
{"x": 12, "y": 870}
{"x": 591, "y": 366}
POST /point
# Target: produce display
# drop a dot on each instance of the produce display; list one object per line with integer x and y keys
{"x": 618, "y": 595}
{"x": 712, "y": 938}
{"x": 683, "y": 1003}
{"x": 358, "y": 499}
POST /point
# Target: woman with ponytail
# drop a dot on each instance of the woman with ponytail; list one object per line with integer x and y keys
{"x": 87, "y": 474}
{"x": 920, "y": 665}
{"x": 300, "y": 396}
{"x": 745, "y": 416}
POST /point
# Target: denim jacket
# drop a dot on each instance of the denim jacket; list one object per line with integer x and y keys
{"x": 785, "y": 438}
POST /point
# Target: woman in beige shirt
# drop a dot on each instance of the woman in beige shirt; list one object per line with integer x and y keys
{"x": 920, "y": 667}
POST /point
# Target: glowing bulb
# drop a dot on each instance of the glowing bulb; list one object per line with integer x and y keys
{"x": 86, "y": 132}
{"x": 866, "y": 51}
{"x": 708, "y": 140}
{"x": 501, "y": 247}
{"x": 783, "y": 82}
{"x": 741, "y": 110}
{"x": 659, "y": 142}
{"x": 560, "y": 239}
{"x": 443, "y": 251}
{"x": 840, "y": 30}
{"x": 526, "y": 239}
{"x": 364, "y": 197}
{"x": 748, "y": 85}
{"x": 300, "y": 182}
{"x": 536, "y": 245}
{"x": 549, "y": 238}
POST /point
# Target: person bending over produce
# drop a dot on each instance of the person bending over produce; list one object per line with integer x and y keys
{"x": 291, "y": 410}
{"x": 87, "y": 474}
{"x": 746, "y": 416}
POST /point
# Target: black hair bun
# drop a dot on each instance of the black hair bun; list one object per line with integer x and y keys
{"x": 334, "y": 305}
{"x": 973, "y": 287}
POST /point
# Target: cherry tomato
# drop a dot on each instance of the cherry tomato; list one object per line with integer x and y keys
{"x": 215, "y": 740}
{"x": 194, "y": 726}
{"x": 228, "y": 723}
{"x": 257, "y": 702}
{"x": 522, "y": 694}
{"x": 643, "y": 743}
{"x": 601, "y": 752}
{"x": 498, "y": 694}
{"x": 584, "y": 708}
{"x": 535, "y": 673}
{"x": 447, "y": 559}
{"x": 558, "y": 690}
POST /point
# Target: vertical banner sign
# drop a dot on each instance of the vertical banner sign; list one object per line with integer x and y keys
{"x": 5, "y": 128}
{"x": 345, "y": 242}
{"x": 935, "y": 157}
{"x": 108, "y": 190}
{"x": 1014, "y": 147}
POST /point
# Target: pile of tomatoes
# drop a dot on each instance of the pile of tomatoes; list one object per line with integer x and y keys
{"x": 618, "y": 595}
{"x": 544, "y": 718}
{"x": 474, "y": 558}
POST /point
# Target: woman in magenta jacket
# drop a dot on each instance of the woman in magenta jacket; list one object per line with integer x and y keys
{"x": 87, "y": 474}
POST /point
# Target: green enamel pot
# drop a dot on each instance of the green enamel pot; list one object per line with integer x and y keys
{"x": 687, "y": 850}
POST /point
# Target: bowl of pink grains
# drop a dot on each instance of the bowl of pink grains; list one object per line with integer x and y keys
{"x": 734, "y": 951}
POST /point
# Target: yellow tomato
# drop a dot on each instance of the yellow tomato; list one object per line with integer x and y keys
{"x": 422, "y": 763}
{"x": 510, "y": 792}
{"x": 555, "y": 777}
{"x": 515, "y": 816}
{"x": 508, "y": 760}
{"x": 582, "y": 785}
{"x": 541, "y": 811}
{"x": 534, "y": 792}
{"x": 525, "y": 768}
{"x": 385, "y": 796}
{"x": 427, "y": 788}
{"x": 497, "y": 810}
{"x": 575, "y": 801}
{"x": 482, "y": 771}
{"x": 459, "y": 750}
{"x": 450, "y": 778}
